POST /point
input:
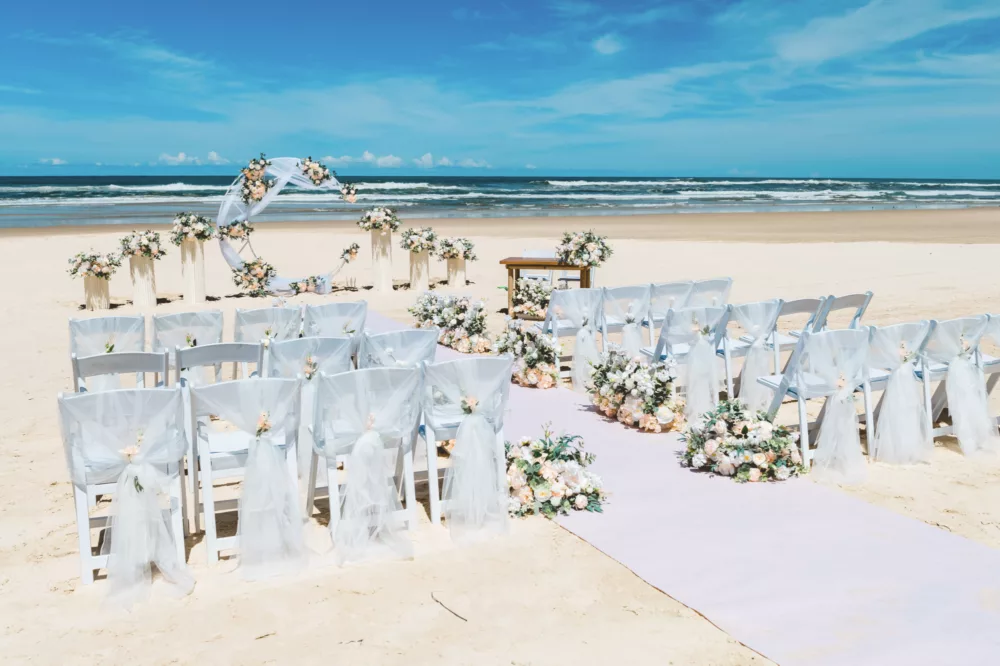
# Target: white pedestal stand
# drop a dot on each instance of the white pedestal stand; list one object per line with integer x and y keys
{"x": 382, "y": 260}
{"x": 97, "y": 292}
{"x": 193, "y": 269}
{"x": 456, "y": 272}
{"x": 420, "y": 271}
{"x": 143, "y": 281}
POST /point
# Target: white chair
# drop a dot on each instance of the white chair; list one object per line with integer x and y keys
{"x": 270, "y": 324}
{"x": 546, "y": 276}
{"x": 709, "y": 293}
{"x": 101, "y": 335}
{"x": 270, "y": 538}
{"x": 368, "y": 420}
{"x": 398, "y": 349}
{"x": 577, "y": 313}
{"x": 626, "y": 310}
{"x": 782, "y": 342}
{"x": 128, "y": 444}
{"x": 465, "y": 400}
{"x": 186, "y": 329}
{"x": 991, "y": 364}
{"x": 336, "y": 320}
{"x": 664, "y": 296}
{"x": 857, "y": 302}
{"x": 101, "y": 366}
{"x": 758, "y": 321}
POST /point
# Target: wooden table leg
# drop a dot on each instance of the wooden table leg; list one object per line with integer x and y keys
{"x": 585, "y": 278}
{"x": 511, "y": 283}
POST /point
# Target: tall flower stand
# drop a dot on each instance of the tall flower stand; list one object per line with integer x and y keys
{"x": 143, "y": 281}
{"x": 420, "y": 270}
{"x": 456, "y": 272}
{"x": 97, "y": 292}
{"x": 382, "y": 260}
{"x": 193, "y": 269}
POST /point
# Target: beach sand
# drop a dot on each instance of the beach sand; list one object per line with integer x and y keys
{"x": 540, "y": 595}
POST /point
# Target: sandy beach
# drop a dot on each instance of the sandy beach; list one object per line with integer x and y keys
{"x": 537, "y": 597}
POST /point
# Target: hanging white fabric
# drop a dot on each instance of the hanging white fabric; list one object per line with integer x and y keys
{"x": 105, "y": 335}
{"x": 697, "y": 329}
{"x": 627, "y": 307}
{"x": 757, "y": 321}
{"x": 579, "y": 309}
{"x": 336, "y": 320}
{"x": 398, "y": 349}
{"x": 273, "y": 323}
{"x": 184, "y": 330}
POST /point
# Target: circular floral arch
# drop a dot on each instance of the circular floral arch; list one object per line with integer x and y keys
{"x": 253, "y": 190}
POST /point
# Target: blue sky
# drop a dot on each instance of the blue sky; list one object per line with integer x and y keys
{"x": 705, "y": 87}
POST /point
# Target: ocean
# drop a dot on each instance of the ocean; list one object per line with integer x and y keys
{"x": 136, "y": 200}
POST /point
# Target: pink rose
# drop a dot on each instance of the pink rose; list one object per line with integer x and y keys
{"x": 581, "y": 502}
{"x": 754, "y": 475}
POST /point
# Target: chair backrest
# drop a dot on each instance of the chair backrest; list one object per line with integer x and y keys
{"x": 289, "y": 358}
{"x": 666, "y": 295}
{"x": 621, "y": 303}
{"x": 484, "y": 378}
{"x": 275, "y": 323}
{"x": 336, "y": 320}
{"x": 812, "y": 307}
{"x": 580, "y": 307}
{"x": 758, "y": 319}
{"x": 99, "y": 335}
{"x": 216, "y": 355}
{"x": 98, "y": 427}
{"x": 398, "y": 349}
{"x": 684, "y": 325}
{"x": 890, "y": 346}
{"x": 118, "y": 363}
{"x": 244, "y": 401}
{"x": 538, "y": 254}
{"x": 857, "y": 302}
{"x": 186, "y": 329}
{"x": 954, "y": 337}
{"x": 825, "y": 360}
{"x": 710, "y": 293}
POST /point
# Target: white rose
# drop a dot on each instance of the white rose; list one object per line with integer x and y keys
{"x": 699, "y": 460}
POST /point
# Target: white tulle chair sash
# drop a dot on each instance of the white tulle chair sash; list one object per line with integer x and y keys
{"x": 902, "y": 435}
{"x": 274, "y": 323}
{"x": 581, "y": 308}
{"x": 398, "y": 349}
{"x": 757, "y": 321}
{"x": 698, "y": 329}
{"x": 101, "y": 335}
{"x": 627, "y": 307}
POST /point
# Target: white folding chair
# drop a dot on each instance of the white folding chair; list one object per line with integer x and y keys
{"x": 782, "y": 342}
{"x": 857, "y": 302}
{"x": 758, "y": 321}
{"x": 274, "y": 323}
{"x": 546, "y": 276}
{"x": 102, "y": 335}
{"x": 398, "y": 349}
{"x": 336, "y": 320}
{"x": 120, "y": 363}
{"x": 709, "y": 293}
{"x": 186, "y": 329}
{"x": 664, "y": 296}
{"x": 989, "y": 363}
{"x": 576, "y": 313}
{"x": 625, "y": 310}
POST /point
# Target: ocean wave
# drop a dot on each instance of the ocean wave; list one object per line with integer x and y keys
{"x": 172, "y": 187}
{"x": 362, "y": 185}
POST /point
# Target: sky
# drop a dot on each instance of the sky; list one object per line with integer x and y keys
{"x": 883, "y": 88}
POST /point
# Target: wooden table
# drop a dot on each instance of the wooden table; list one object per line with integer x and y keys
{"x": 517, "y": 264}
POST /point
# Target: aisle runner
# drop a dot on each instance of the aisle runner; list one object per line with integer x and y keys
{"x": 801, "y": 573}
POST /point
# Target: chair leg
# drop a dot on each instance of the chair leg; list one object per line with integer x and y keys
{"x": 311, "y": 487}
{"x": 869, "y": 418}
{"x": 211, "y": 540}
{"x": 83, "y": 535}
{"x": 193, "y": 469}
{"x": 730, "y": 393}
{"x": 433, "y": 490}
{"x": 804, "y": 433}
{"x": 501, "y": 453}
{"x": 410, "y": 490}
{"x": 333, "y": 481}
{"x": 178, "y": 519}
{"x": 182, "y": 477}
{"x": 927, "y": 402}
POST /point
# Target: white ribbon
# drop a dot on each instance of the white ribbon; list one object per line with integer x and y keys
{"x": 631, "y": 339}
{"x": 902, "y": 436}
{"x": 974, "y": 427}
{"x": 584, "y": 353}
{"x": 755, "y": 365}
{"x": 838, "y": 446}
{"x": 702, "y": 378}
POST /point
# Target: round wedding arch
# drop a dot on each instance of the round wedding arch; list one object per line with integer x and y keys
{"x": 239, "y": 205}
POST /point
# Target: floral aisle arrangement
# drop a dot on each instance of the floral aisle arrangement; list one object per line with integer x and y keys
{"x": 238, "y": 230}
{"x": 349, "y": 192}
{"x": 423, "y": 239}
{"x": 94, "y": 265}
{"x": 536, "y": 354}
{"x": 314, "y": 171}
{"x": 531, "y": 298}
{"x": 254, "y": 277}
{"x": 142, "y": 249}
{"x": 305, "y": 285}
{"x": 462, "y": 321}
{"x": 583, "y": 248}
{"x": 255, "y": 186}
{"x": 549, "y": 476}
{"x": 188, "y": 226}
{"x": 142, "y": 244}
{"x": 732, "y": 440}
{"x": 457, "y": 248}
{"x": 379, "y": 219}
{"x": 637, "y": 394}
{"x": 350, "y": 253}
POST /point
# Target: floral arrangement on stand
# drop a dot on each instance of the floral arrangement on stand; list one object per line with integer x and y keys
{"x": 349, "y": 192}
{"x": 350, "y": 253}
{"x": 423, "y": 239}
{"x": 732, "y": 440}
{"x": 549, "y": 476}
{"x": 254, "y": 277}
{"x": 238, "y": 230}
{"x": 379, "y": 219}
{"x": 314, "y": 171}
{"x": 188, "y": 226}
{"x": 456, "y": 248}
{"x": 94, "y": 264}
{"x": 536, "y": 354}
{"x": 308, "y": 284}
{"x": 255, "y": 186}
{"x": 531, "y": 298}
{"x": 583, "y": 248}
{"x": 637, "y": 394}
{"x": 143, "y": 244}
{"x": 462, "y": 321}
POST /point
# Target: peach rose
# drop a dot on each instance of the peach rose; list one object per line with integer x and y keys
{"x": 754, "y": 475}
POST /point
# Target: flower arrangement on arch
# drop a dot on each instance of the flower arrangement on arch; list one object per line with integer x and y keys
{"x": 94, "y": 264}
{"x": 307, "y": 284}
{"x": 461, "y": 320}
{"x": 423, "y": 239}
{"x": 254, "y": 277}
{"x": 531, "y": 298}
{"x": 637, "y": 394}
{"x": 549, "y": 476}
{"x": 315, "y": 171}
{"x": 379, "y": 218}
{"x": 142, "y": 244}
{"x": 237, "y": 230}
{"x": 731, "y": 440}
{"x": 583, "y": 248}
{"x": 349, "y": 192}
{"x": 456, "y": 248}
{"x": 255, "y": 186}
{"x": 188, "y": 226}
{"x": 536, "y": 354}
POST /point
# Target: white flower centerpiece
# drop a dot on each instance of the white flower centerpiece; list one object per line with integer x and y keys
{"x": 254, "y": 277}
{"x": 419, "y": 243}
{"x": 96, "y": 270}
{"x": 349, "y": 192}
{"x": 190, "y": 232}
{"x": 536, "y": 354}
{"x": 584, "y": 249}
{"x": 142, "y": 249}
{"x": 549, "y": 476}
{"x": 731, "y": 440}
{"x": 531, "y": 298}
{"x": 381, "y": 222}
{"x": 461, "y": 320}
{"x": 255, "y": 186}
{"x": 456, "y": 251}
{"x": 637, "y": 394}
{"x": 314, "y": 171}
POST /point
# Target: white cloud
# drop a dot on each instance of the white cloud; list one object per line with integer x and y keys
{"x": 52, "y": 161}
{"x": 366, "y": 157}
{"x": 470, "y": 163}
{"x": 388, "y": 161}
{"x": 609, "y": 44}
{"x": 178, "y": 159}
{"x": 425, "y": 162}
{"x": 444, "y": 161}
{"x": 215, "y": 158}
{"x": 530, "y": 166}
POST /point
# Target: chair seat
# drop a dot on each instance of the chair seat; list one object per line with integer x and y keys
{"x": 991, "y": 364}
{"x": 814, "y": 386}
{"x": 785, "y": 341}
{"x": 564, "y": 326}
{"x": 229, "y": 450}
{"x": 878, "y": 375}
{"x": 680, "y": 350}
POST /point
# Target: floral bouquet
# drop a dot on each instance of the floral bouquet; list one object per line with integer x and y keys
{"x": 93, "y": 264}
{"x": 142, "y": 244}
{"x": 531, "y": 298}
{"x": 549, "y": 476}
{"x": 379, "y": 219}
{"x": 461, "y": 320}
{"x": 255, "y": 186}
{"x": 314, "y": 171}
{"x": 423, "y": 239}
{"x": 583, "y": 248}
{"x": 537, "y": 354}
{"x": 254, "y": 276}
{"x": 349, "y": 192}
{"x": 456, "y": 248}
{"x": 350, "y": 253}
{"x": 238, "y": 230}
{"x": 188, "y": 226}
{"x": 309, "y": 284}
{"x": 733, "y": 441}
{"x": 639, "y": 395}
